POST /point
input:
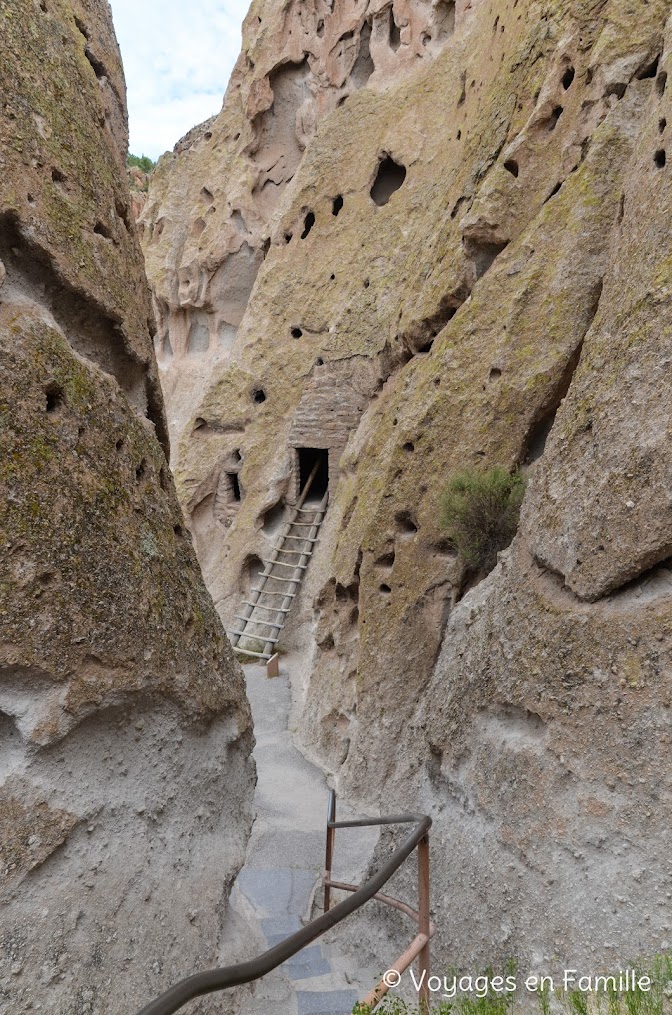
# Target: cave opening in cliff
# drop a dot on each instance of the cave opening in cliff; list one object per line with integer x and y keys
{"x": 309, "y": 458}
{"x": 395, "y": 33}
{"x": 234, "y": 483}
{"x": 308, "y": 224}
{"x": 389, "y": 178}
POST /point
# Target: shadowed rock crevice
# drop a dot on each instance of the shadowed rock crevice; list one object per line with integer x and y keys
{"x": 363, "y": 66}
{"x": 535, "y": 442}
{"x": 93, "y": 334}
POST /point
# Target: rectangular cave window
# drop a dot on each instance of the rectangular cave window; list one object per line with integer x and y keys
{"x": 308, "y": 459}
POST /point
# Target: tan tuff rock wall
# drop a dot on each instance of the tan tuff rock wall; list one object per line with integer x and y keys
{"x": 506, "y": 306}
{"x": 125, "y": 778}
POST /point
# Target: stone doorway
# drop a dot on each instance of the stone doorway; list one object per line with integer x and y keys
{"x": 308, "y": 459}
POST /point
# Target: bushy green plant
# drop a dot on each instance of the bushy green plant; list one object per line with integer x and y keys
{"x": 142, "y": 162}
{"x": 480, "y": 511}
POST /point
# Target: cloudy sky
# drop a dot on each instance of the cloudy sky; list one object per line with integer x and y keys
{"x": 178, "y": 57}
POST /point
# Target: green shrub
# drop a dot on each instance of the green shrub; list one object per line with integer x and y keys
{"x": 480, "y": 511}
{"x": 142, "y": 162}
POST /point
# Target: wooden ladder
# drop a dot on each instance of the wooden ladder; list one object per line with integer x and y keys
{"x": 296, "y": 542}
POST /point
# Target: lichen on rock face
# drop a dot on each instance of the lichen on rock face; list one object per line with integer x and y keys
{"x": 464, "y": 266}
{"x": 124, "y": 729}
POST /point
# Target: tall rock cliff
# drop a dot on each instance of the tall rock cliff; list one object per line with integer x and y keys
{"x": 125, "y": 778}
{"x": 422, "y": 237}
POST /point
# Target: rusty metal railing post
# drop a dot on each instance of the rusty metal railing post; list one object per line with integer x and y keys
{"x": 213, "y": 980}
{"x": 331, "y": 837}
{"x": 423, "y": 922}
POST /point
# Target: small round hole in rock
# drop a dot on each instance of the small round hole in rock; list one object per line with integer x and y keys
{"x": 409, "y": 447}
{"x": 662, "y": 125}
{"x": 337, "y": 205}
{"x": 660, "y": 158}
{"x": 259, "y": 395}
{"x": 385, "y": 589}
{"x": 296, "y": 333}
{"x": 141, "y": 470}
{"x": 495, "y": 374}
{"x": 405, "y": 524}
{"x": 55, "y": 397}
{"x": 333, "y": 278}
{"x": 319, "y": 362}
{"x": 512, "y": 167}
{"x": 100, "y": 229}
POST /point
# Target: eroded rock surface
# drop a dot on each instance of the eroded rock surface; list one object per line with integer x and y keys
{"x": 125, "y": 778}
{"x": 465, "y": 263}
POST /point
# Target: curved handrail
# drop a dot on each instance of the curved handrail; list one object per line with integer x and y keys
{"x": 233, "y": 976}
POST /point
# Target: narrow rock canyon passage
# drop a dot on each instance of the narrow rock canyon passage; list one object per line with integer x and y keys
{"x": 284, "y": 864}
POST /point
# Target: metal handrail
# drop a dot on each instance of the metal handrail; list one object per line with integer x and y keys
{"x": 227, "y": 977}
{"x": 419, "y": 947}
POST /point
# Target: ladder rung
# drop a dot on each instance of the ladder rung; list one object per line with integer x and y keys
{"x": 246, "y": 652}
{"x": 309, "y": 511}
{"x": 287, "y": 595}
{"x": 271, "y": 609}
{"x": 306, "y": 539}
{"x": 278, "y": 550}
{"x": 246, "y": 634}
{"x": 261, "y": 623}
{"x": 281, "y": 563}
{"x": 275, "y": 578}
{"x": 305, "y": 525}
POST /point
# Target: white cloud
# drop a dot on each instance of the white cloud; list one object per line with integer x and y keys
{"x": 178, "y": 58}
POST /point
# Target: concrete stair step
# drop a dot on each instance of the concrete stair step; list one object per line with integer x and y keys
{"x": 328, "y": 1002}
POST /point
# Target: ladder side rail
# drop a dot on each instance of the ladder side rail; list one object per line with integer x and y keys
{"x": 305, "y": 558}
{"x": 256, "y": 593}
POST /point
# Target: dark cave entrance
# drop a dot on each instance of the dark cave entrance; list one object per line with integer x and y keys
{"x": 389, "y": 178}
{"x": 234, "y": 482}
{"x": 308, "y": 459}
